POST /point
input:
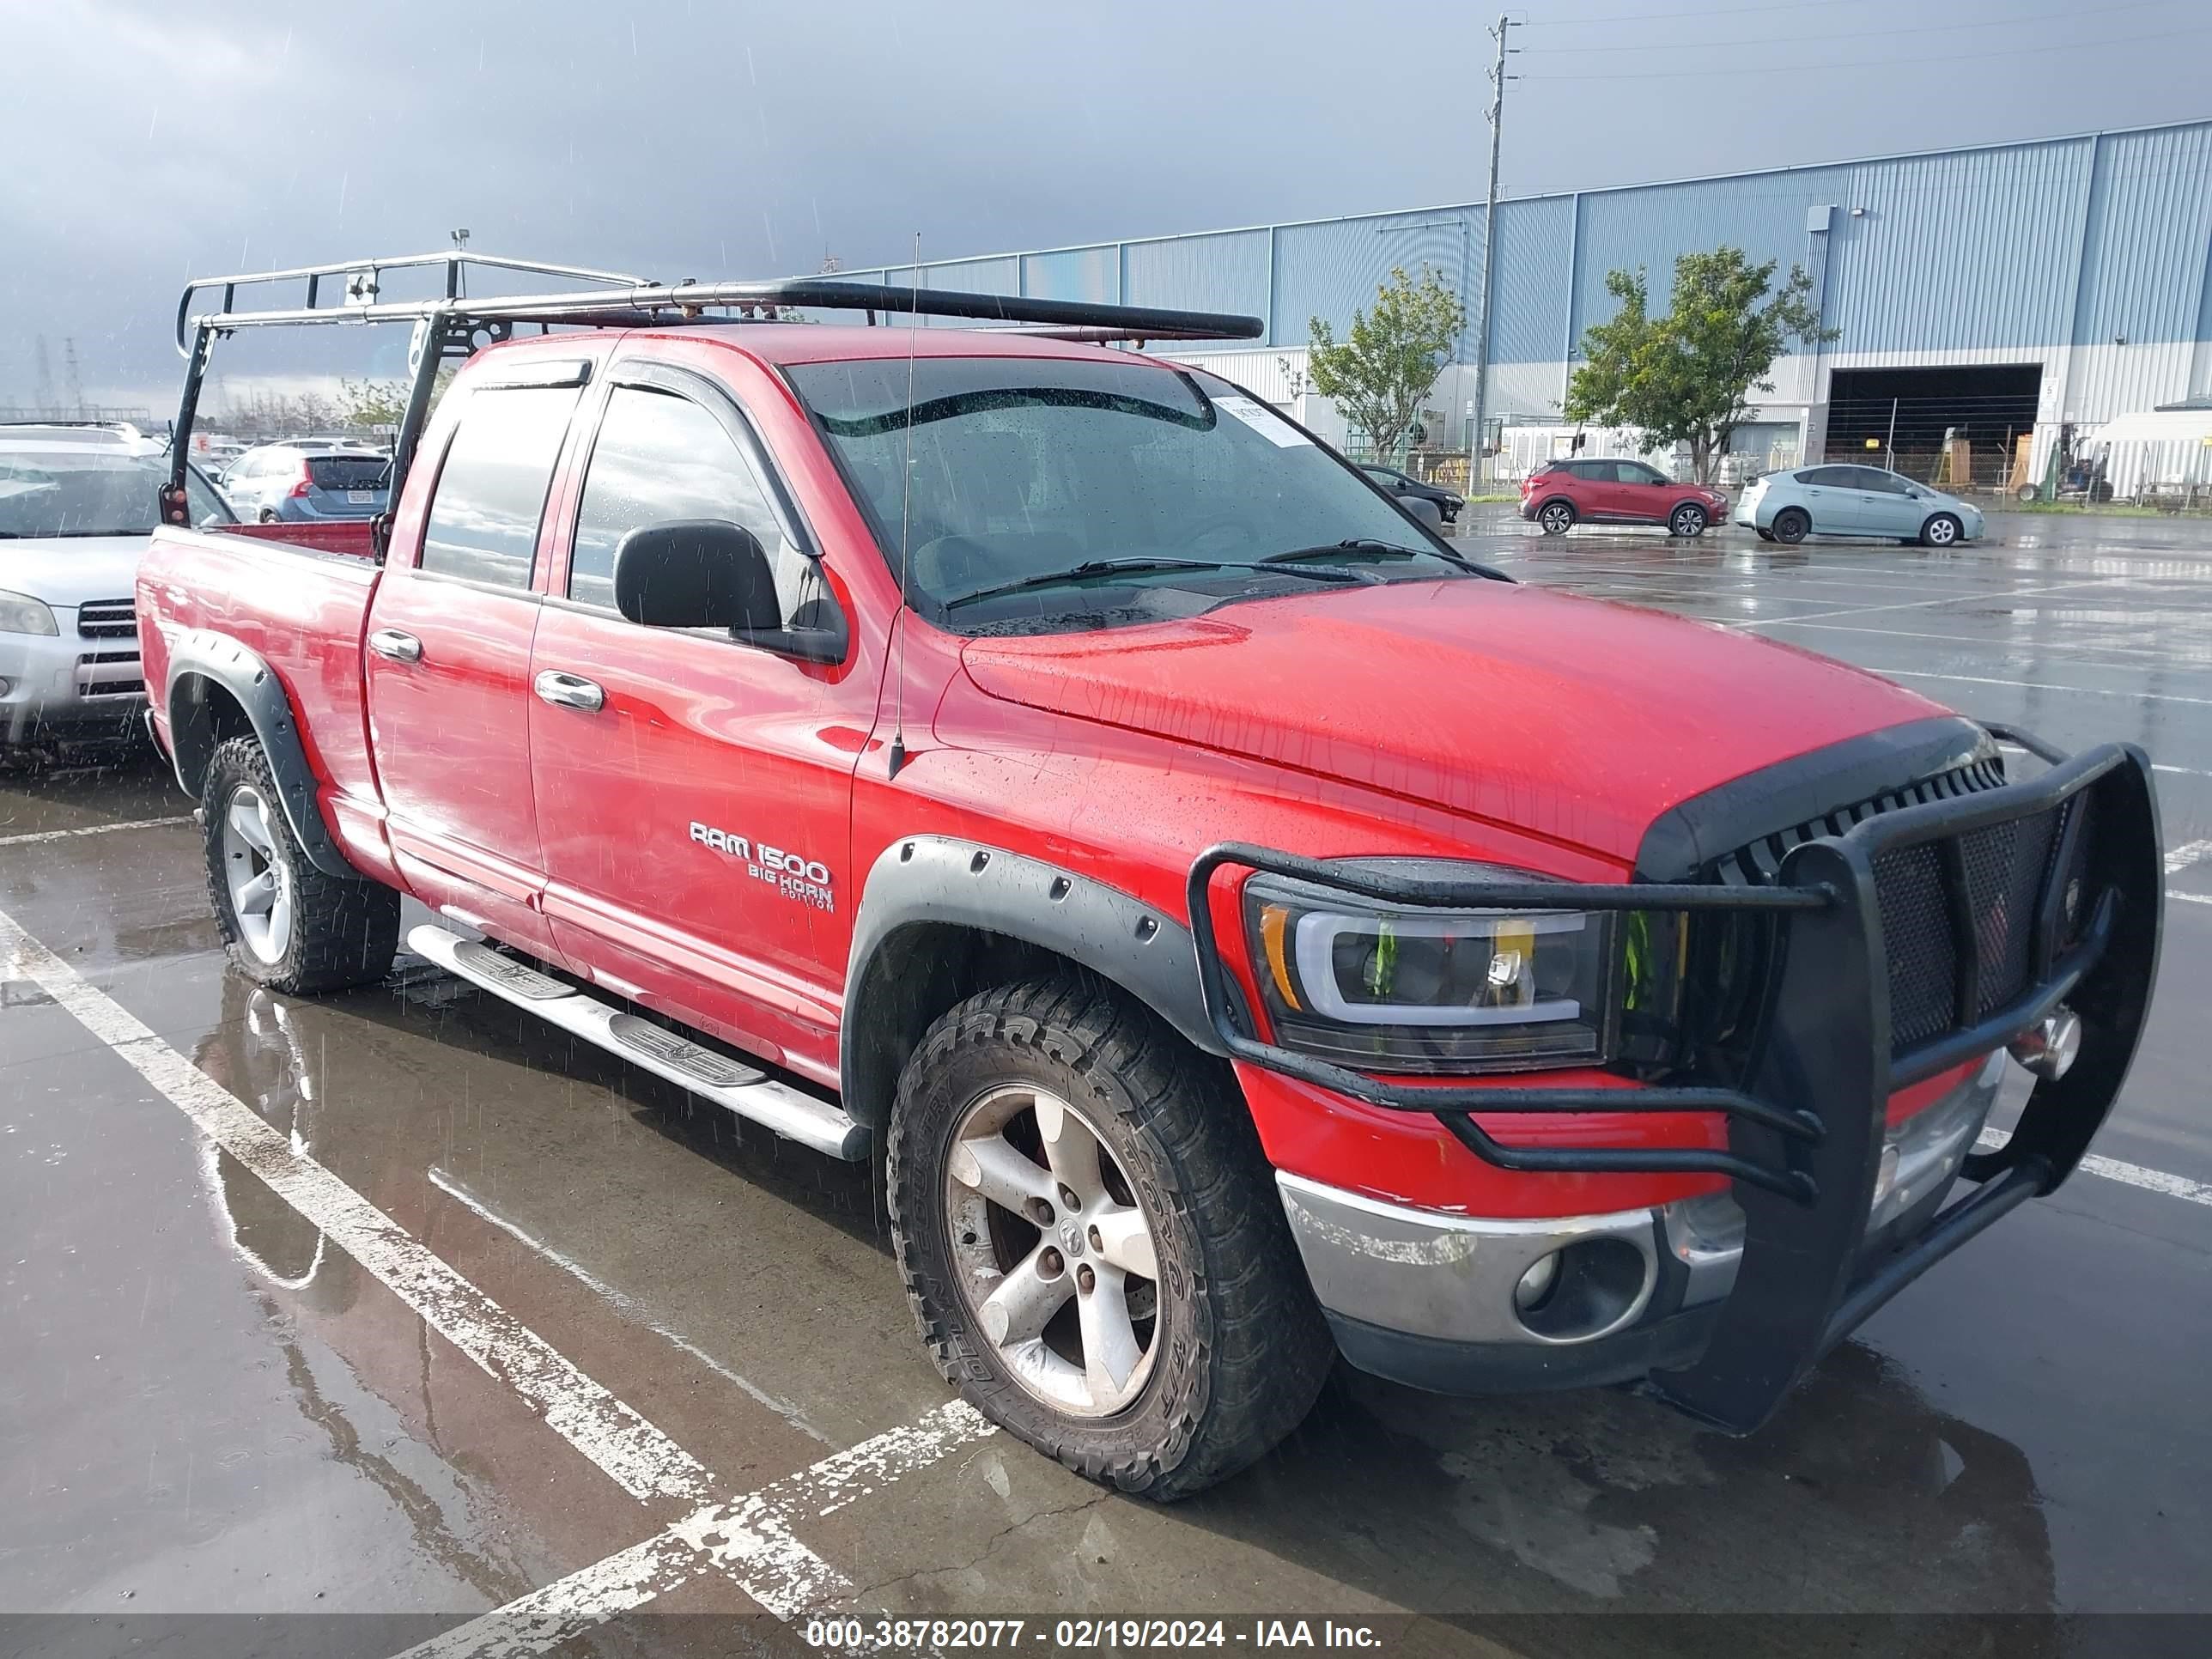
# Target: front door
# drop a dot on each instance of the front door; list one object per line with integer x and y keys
{"x": 1886, "y": 505}
{"x": 694, "y": 791}
{"x": 448, "y": 665}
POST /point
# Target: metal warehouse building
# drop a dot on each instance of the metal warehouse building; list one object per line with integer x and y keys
{"x": 1994, "y": 291}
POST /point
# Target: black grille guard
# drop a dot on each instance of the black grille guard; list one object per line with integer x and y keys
{"x": 1806, "y": 1129}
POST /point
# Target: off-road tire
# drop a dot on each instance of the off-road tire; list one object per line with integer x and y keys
{"x": 1241, "y": 1350}
{"x": 343, "y": 933}
{"x": 1792, "y": 524}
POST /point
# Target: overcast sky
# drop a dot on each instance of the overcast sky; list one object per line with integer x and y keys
{"x": 146, "y": 140}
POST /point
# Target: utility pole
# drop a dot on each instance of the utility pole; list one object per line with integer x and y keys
{"x": 1497, "y": 113}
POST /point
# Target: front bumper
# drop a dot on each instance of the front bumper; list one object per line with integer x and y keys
{"x": 66, "y": 685}
{"x": 1994, "y": 937}
{"x": 1429, "y": 1299}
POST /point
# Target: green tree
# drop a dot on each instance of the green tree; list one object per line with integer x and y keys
{"x": 366, "y": 404}
{"x": 1687, "y": 377}
{"x": 1391, "y": 357}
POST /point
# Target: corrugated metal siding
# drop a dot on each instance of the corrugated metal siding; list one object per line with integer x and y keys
{"x": 1201, "y": 273}
{"x": 1259, "y": 372}
{"x": 1001, "y": 276}
{"x": 1332, "y": 269}
{"x": 1077, "y": 273}
{"x": 1959, "y": 251}
{"x": 1653, "y": 226}
{"x": 1534, "y": 282}
{"x": 2150, "y": 227}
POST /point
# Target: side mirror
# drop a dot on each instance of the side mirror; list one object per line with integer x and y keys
{"x": 695, "y": 573}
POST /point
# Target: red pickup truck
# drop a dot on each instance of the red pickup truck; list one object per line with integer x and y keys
{"x": 1249, "y": 930}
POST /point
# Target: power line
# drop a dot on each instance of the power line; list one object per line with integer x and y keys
{"x": 2072, "y": 13}
{"x": 1944, "y": 62}
{"x": 1665, "y": 16}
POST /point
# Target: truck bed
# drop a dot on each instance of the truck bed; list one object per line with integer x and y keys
{"x": 298, "y": 595}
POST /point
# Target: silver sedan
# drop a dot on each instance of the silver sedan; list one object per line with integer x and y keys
{"x": 1855, "y": 500}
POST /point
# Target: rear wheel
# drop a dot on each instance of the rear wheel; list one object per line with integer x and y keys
{"x": 1941, "y": 531}
{"x": 1792, "y": 524}
{"x": 1092, "y": 1244}
{"x": 2028, "y": 492}
{"x": 1557, "y": 517}
{"x": 268, "y": 515}
{"x": 285, "y": 924}
{"x": 1687, "y": 520}
{"x": 1764, "y": 535}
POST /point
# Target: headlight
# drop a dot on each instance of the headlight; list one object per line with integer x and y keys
{"x": 22, "y": 614}
{"x": 1352, "y": 980}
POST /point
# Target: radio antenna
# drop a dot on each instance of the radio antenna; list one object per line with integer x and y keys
{"x": 906, "y": 519}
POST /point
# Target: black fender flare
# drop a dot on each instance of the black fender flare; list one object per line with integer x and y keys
{"x": 946, "y": 880}
{"x": 200, "y": 658}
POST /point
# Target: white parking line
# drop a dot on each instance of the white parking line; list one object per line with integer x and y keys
{"x": 37, "y": 836}
{"x": 2029, "y": 685}
{"x": 2189, "y": 852}
{"x": 2192, "y": 898}
{"x": 748, "y": 1539}
{"x": 637, "y": 1457}
{"x": 2131, "y": 1174}
{"x": 623, "y": 1301}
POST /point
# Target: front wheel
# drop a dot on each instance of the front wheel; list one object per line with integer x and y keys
{"x": 1941, "y": 531}
{"x": 1557, "y": 517}
{"x": 1765, "y": 535}
{"x": 1792, "y": 524}
{"x": 285, "y": 924}
{"x": 1092, "y": 1244}
{"x": 1687, "y": 520}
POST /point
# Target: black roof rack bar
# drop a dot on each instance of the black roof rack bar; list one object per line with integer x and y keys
{"x": 645, "y": 304}
{"x": 455, "y": 264}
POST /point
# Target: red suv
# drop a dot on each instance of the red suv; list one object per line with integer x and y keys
{"x": 1558, "y": 494}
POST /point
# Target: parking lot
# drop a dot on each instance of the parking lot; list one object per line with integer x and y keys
{"x": 399, "y": 1306}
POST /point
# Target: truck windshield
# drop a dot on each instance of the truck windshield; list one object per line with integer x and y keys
{"x": 57, "y": 491}
{"x": 1148, "y": 475}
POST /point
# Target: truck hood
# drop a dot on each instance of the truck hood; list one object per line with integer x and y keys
{"x": 1573, "y": 719}
{"x": 65, "y": 571}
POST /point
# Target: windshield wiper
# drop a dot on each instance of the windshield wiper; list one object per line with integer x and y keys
{"x": 1359, "y": 544}
{"x": 1091, "y": 568}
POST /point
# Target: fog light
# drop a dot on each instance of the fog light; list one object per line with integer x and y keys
{"x": 1536, "y": 1283}
{"x": 2048, "y": 1047}
{"x": 6, "y": 685}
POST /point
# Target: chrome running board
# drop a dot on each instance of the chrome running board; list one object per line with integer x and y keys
{"x": 727, "y": 1082}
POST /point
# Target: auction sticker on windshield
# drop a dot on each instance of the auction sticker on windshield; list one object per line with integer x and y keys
{"x": 1263, "y": 420}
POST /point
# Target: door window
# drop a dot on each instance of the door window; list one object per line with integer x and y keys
{"x": 1881, "y": 483}
{"x": 491, "y": 491}
{"x": 660, "y": 456}
{"x": 1636, "y": 472}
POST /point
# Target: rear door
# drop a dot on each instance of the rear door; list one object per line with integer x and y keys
{"x": 1831, "y": 499}
{"x": 448, "y": 654}
{"x": 694, "y": 791}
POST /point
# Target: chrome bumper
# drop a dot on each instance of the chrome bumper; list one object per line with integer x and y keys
{"x": 1448, "y": 1278}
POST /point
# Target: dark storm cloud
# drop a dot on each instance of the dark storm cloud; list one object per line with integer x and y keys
{"x": 147, "y": 141}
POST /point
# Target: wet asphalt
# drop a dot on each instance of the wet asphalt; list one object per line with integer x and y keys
{"x": 206, "y": 1408}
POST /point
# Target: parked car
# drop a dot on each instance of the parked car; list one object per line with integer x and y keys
{"x": 1561, "y": 495}
{"x": 1393, "y": 482}
{"x": 1855, "y": 500}
{"x": 1247, "y": 930}
{"x": 76, "y": 504}
{"x": 308, "y": 481}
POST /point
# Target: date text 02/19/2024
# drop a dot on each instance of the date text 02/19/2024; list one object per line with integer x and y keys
{"x": 898, "y": 1635}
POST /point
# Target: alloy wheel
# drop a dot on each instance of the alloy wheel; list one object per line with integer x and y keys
{"x": 1054, "y": 1251}
{"x": 260, "y": 884}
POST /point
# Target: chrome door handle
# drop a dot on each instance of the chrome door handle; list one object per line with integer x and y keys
{"x": 399, "y": 647}
{"x": 570, "y": 692}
